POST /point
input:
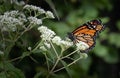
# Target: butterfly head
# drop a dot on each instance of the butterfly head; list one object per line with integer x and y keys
{"x": 96, "y": 24}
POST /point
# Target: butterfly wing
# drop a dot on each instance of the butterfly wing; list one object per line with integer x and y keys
{"x": 87, "y": 33}
{"x": 89, "y": 40}
{"x": 87, "y": 36}
{"x": 84, "y": 30}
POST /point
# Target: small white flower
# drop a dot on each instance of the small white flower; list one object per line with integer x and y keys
{"x": 43, "y": 48}
{"x": 9, "y": 23}
{"x": 82, "y": 46}
{"x": 12, "y": 20}
{"x": 57, "y": 40}
{"x": 20, "y": 3}
{"x": 47, "y": 45}
{"x": 66, "y": 43}
{"x": 34, "y": 20}
{"x": 42, "y": 29}
{"x": 46, "y": 34}
{"x": 83, "y": 55}
{"x": 22, "y": 17}
{"x": 39, "y": 21}
{"x": 49, "y": 14}
{"x": 35, "y": 8}
{"x": 29, "y": 7}
{"x": 41, "y": 11}
{"x": 17, "y": 2}
{"x": 15, "y": 14}
{"x": 29, "y": 48}
{"x": 11, "y": 13}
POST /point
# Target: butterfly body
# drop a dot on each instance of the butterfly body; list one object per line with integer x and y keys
{"x": 87, "y": 33}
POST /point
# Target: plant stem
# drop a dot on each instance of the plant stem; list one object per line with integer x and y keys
{"x": 69, "y": 54}
{"x": 57, "y": 61}
{"x": 68, "y": 65}
{"x": 54, "y": 49}
{"x": 15, "y": 59}
{"x": 47, "y": 61}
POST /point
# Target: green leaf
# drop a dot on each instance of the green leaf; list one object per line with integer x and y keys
{"x": 105, "y": 19}
{"x": 38, "y": 75}
{"x": 109, "y": 55}
{"x": 72, "y": 18}
{"x": 103, "y": 35}
{"x": 15, "y": 73}
{"x": 61, "y": 28}
{"x": 90, "y": 11}
{"x": 2, "y": 75}
{"x": 10, "y": 71}
{"x": 100, "y": 50}
{"x": 114, "y": 38}
{"x": 85, "y": 64}
{"x": 6, "y": 65}
{"x": 112, "y": 57}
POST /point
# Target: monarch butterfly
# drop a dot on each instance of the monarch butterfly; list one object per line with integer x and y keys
{"x": 87, "y": 33}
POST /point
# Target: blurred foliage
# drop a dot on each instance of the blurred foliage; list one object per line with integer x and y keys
{"x": 103, "y": 60}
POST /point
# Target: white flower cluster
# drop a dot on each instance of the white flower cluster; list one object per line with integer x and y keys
{"x": 31, "y": 7}
{"x": 82, "y": 46}
{"x": 49, "y": 35}
{"x": 83, "y": 55}
{"x": 57, "y": 40}
{"x": 34, "y": 20}
{"x": 17, "y": 2}
{"x": 10, "y": 21}
{"x": 16, "y": 14}
{"x": 63, "y": 43}
{"x": 45, "y": 46}
{"x": 39, "y": 10}
{"x": 49, "y": 14}
{"x": 46, "y": 34}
